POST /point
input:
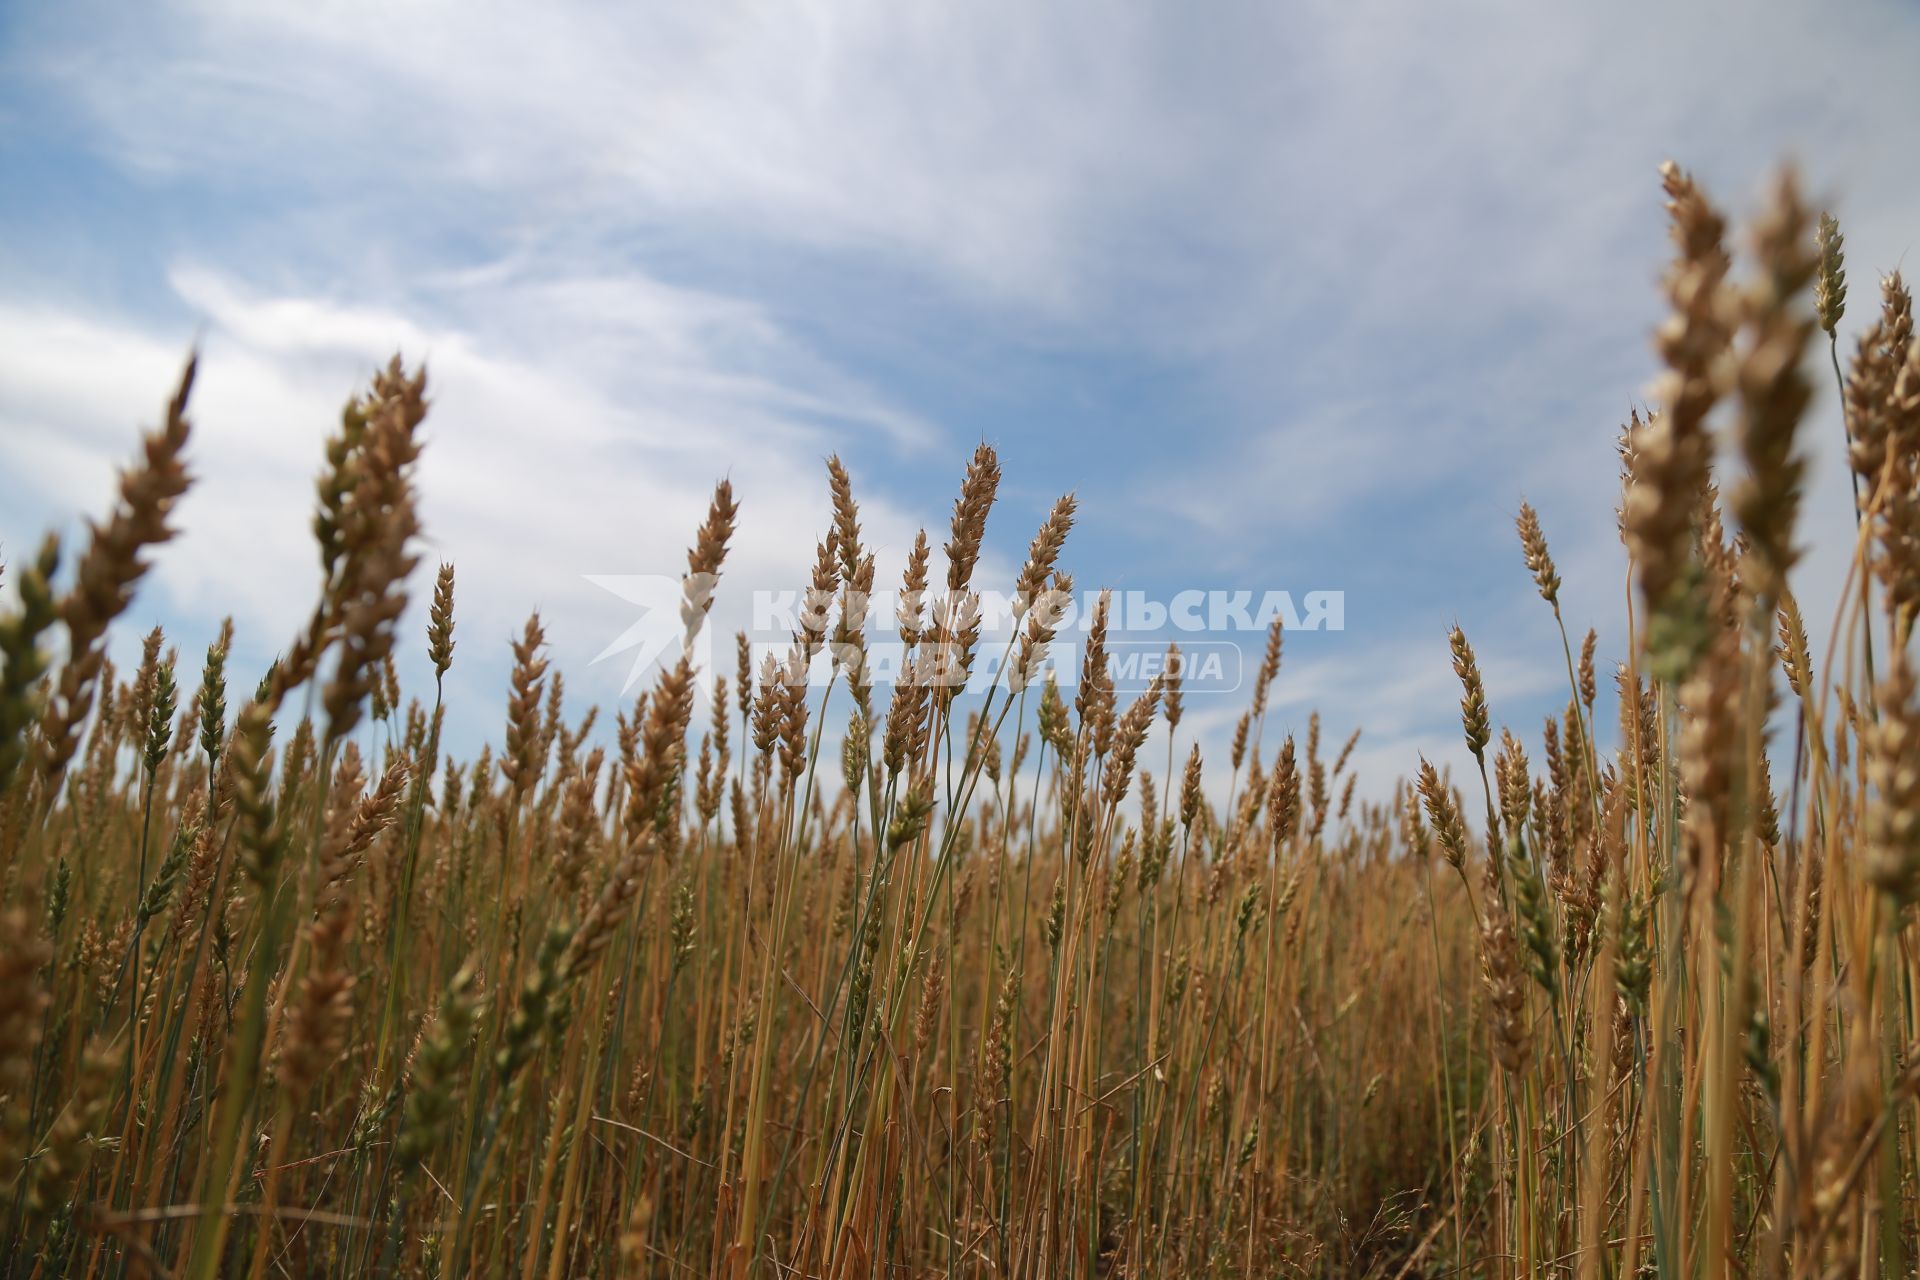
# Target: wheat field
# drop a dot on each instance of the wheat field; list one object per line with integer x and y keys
{"x": 291, "y": 990}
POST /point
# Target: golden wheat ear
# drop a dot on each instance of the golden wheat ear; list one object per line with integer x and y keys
{"x": 108, "y": 571}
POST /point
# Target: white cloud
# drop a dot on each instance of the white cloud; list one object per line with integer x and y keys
{"x": 535, "y": 474}
{"x": 969, "y": 136}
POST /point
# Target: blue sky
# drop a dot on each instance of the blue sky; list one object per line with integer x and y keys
{"x": 1298, "y": 296}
